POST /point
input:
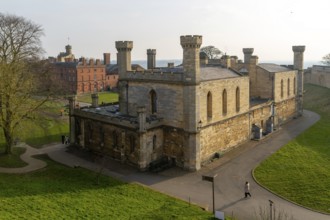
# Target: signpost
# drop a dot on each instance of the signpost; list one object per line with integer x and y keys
{"x": 211, "y": 179}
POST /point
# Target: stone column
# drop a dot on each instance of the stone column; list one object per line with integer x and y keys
{"x": 298, "y": 64}
{"x": 95, "y": 100}
{"x": 151, "y": 58}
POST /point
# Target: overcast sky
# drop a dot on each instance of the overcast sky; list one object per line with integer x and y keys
{"x": 270, "y": 27}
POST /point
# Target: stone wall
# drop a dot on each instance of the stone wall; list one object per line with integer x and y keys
{"x": 285, "y": 110}
{"x": 319, "y": 75}
{"x": 222, "y": 136}
{"x": 216, "y": 88}
{"x": 174, "y": 144}
{"x": 288, "y": 91}
{"x": 169, "y": 101}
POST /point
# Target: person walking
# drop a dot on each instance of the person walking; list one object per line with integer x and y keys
{"x": 247, "y": 189}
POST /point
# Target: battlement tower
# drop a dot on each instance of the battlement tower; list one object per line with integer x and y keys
{"x": 298, "y": 64}
{"x": 191, "y": 65}
{"x": 151, "y": 58}
{"x": 124, "y": 49}
{"x": 247, "y": 54}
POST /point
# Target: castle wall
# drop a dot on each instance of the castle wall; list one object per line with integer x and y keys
{"x": 320, "y": 75}
{"x": 174, "y": 144}
{"x": 216, "y": 87}
{"x": 263, "y": 86}
{"x": 169, "y": 100}
{"x": 285, "y": 110}
{"x": 260, "y": 114}
{"x": 278, "y": 77}
{"x": 222, "y": 136}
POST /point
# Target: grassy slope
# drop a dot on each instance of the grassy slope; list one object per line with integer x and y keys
{"x": 106, "y": 97}
{"x": 300, "y": 171}
{"x": 59, "y": 192}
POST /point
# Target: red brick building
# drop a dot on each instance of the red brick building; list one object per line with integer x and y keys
{"x": 84, "y": 76}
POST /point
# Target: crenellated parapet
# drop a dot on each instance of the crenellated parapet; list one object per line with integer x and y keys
{"x": 124, "y": 45}
{"x": 191, "y": 41}
{"x": 299, "y": 49}
{"x": 171, "y": 77}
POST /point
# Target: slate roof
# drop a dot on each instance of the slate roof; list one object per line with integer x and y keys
{"x": 212, "y": 73}
{"x": 273, "y": 68}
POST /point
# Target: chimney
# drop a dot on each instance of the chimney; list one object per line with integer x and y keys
{"x": 91, "y": 62}
{"x": 226, "y": 61}
{"x": 233, "y": 61}
{"x": 98, "y": 62}
{"x": 170, "y": 65}
{"x": 106, "y": 58}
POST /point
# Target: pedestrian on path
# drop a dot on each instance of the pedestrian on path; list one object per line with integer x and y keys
{"x": 67, "y": 141}
{"x": 247, "y": 189}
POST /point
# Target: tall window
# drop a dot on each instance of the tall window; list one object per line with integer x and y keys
{"x": 209, "y": 105}
{"x": 282, "y": 88}
{"x": 224, "y": 102}
{"x": 153, "y": 101}
{"x": 154, "y": 142}
{"x": 288, "y": 87}
{"x": 115, "y": 138}
{"x": 294, "y": 85}
{"x": 132, "y": 143}
{"x": 238, "y": 104}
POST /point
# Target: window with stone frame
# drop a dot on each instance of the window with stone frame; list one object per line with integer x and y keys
{"x": 294, "y": 85}
{"x": 288, "y": 86}
{"x": 153, "y": 101}
{"x": 238, "y": 100}
{"x": 115, "y": 139}
{"x": 224, "y": 102}
{"x": 209, "y": 104}
{"x": 132, "y": 143}
{"x": 154, "y": 142}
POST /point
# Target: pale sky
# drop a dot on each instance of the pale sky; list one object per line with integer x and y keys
{"x": 270, "y": 27}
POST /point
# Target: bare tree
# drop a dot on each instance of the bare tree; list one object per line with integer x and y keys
{"x": 23, "y": 75}
{"x": 211, "y": 51}
{"x": 326, "y": 59}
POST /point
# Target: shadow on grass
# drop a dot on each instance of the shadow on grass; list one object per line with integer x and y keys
{"x": 55, "y": 178}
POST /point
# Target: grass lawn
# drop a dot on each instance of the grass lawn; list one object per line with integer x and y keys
{"x": 46, "y": 127}
{"x": 300, "y": 171}
{"x": 14, "y": 159}
{"x": 60, "y": 192}
{"x": 104, "y": 97}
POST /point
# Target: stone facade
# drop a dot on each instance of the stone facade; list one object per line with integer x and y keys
{"x": 318, "y": 75}
{"x": 188, "y": 113}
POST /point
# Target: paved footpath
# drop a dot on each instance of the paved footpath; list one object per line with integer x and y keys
{"x": 232, "y": 170}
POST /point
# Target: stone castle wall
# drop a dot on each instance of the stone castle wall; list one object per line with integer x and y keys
{"x": 169, "y": 100}
{"x": 288, "y": 91}
{"x": 216, "y": 87}
{"x": 285, "y": 110}
{"x": 319, "y": 75}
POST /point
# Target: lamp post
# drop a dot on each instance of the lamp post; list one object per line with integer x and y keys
{"x": 211, "y": 179}
{"x": 271, "y": 209}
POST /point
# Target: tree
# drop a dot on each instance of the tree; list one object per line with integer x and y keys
{"x": 211, "y": 51}
{"x": 326, "y": 59}
{"x": 23, "y": 75}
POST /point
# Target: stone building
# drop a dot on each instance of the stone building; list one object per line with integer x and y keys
{"x": 318, "y": 75}
{"x": 67, "y": 55}
{"x": 189, "y": 113}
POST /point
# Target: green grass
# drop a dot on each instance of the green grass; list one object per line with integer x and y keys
{"x": 300, "y": 171}
{"x": 60, "y": 192}
{"x": 13, "y": 160}
{"x": 104, "y": 97}
{"x": 47, "y": 126}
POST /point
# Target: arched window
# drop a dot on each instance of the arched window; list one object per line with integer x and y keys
{"x": 115, "y": 138}
{"x": 282, "y": 88}
{"x": 224, "y": 102}
{"x": 154, "y": 142}
{"x": 288, "y": 87}
{"x": 294, "y": 85}
{"x": 153, "y": 101}
{"x": 132, "y": 143}
{"x": 238, "y": 104}
{"x": 209, "y": 105}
